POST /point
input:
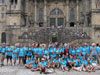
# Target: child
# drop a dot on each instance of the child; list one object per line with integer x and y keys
{"x": 3, "y": 50}
{"x": 43, "y": 65}
{"x": 15, "y": 55}
{"x": 21, "y": 55}
{"x": 9, "y": 54}
{"x": 63, "y": 63}
{"x": 28, "y": 63}
{"x": 35, "y": 66}
{"x": 77, "y": 65}
{"x": 70, "y": 62}
{"x": 56, "y": 62}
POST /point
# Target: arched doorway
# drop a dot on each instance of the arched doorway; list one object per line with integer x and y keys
{"x": 3, "y": 37}
{"x": 56, "y": 17}
{"x": 54, "y": 39}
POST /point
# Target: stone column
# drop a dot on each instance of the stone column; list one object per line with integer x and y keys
{"x": 67, "y": 15}
{"x": 45, "y": 13}
{"x": 77, "y": 7}
{"x": 35, "y": 4}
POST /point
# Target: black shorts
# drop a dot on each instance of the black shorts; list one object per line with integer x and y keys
{"x": 21, "y": 57}
{"x": 9, "y": 57}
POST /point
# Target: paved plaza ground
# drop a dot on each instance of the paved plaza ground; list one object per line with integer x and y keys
{"x": 20, "y": 70}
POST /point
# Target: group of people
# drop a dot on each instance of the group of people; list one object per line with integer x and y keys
{"x": 43, "y": 58}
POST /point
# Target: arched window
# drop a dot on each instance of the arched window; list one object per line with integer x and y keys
{"x": 56, "y": 17}
{"x": 97, "y": 2}
{"x": 56, "y": 11}
{"x": 3, "y": 37}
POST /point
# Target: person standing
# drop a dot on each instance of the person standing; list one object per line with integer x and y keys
{"x": 94, "y": 52}
{"x": 3, "y": 50}
{"x": 0, "y": 54}
{"x": 8, "y": 54}
{"x": 15, "y": 53}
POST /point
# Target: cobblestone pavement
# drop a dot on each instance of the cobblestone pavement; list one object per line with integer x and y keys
{"x": 20, "y": 70}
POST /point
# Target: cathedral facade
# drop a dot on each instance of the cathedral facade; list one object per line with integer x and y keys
{"x": 49, "y": 20}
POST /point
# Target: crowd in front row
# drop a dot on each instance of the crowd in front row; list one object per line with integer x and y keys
{"x": 43, "y": 58}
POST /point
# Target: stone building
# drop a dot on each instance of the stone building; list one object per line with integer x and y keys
{"x": 49, "y": 20}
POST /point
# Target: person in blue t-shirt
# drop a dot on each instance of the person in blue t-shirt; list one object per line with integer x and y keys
{"x": 21, "y": 55}
{"x": 0, "y": 54}
{"x": 29, "y": 52}
{"x": 78, "y": 51}
{"x": 9, "y": 51}
{"x": 72, "y": 51}
{"x": 46, "y": 53}
{"x": 43, "y": 65}
{"x": 63, "y": 64}
{"x": 84, "y": 51}
{"x": 28, "y": 63}
{"x": 15, "y": 54}
{"x": 78, "y": 65}
{"x": 56, "y": 62}
{"x": 70, "y": 61}
{"x": 3, "y": 50}
{"x": 35, "y": 66}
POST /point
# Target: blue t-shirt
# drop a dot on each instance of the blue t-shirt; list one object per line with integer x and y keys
{"x": 84, "y": 62}
{"x": 73, "y": 52}
{"x": 51, "y": 50}
{"x": 34, "y": 65}
{"x": 62, "y": 50}
{"x": 58, "y": 51}
{"x": 70, "y": 60}
{"x": 94, "y": 51}
{"x": 46, "y": 52}
{"x": 84, "y": 50}
{"x": 15, "y": 52}
{"x": 36, "y": 50}
{"x": 56, "y": 60}
{"x": 29, "y": 51}
{"x": 3, "y": 49}
{"x": 28, "y": 61}
{"x": 40, "y": 51}
{"x": 76, "y": 62}
{"x": 26, "y": 49}
{"x": 0, "y": 49}
{"x": 64, "y": 63}
{"x": 9, "y": 51}
{"x": 88, "y": 49}
{"x": 78, "y": 50}
{"x": 43, "y": 63}
{"x": 98, "y": 49}
{"x": 22, "y": 52}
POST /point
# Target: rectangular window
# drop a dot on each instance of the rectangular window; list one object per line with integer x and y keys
{"x": 52, "y": 22}
{"x": 60, "y": 21}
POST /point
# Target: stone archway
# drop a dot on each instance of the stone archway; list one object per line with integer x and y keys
{"x": 3, "y": 37}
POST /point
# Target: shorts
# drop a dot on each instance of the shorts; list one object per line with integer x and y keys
{"x": 29, "y": 56}
{"x": 9, "y": 57}
{"x": 21, "y": 57}
{"x": 14, "y": 57}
